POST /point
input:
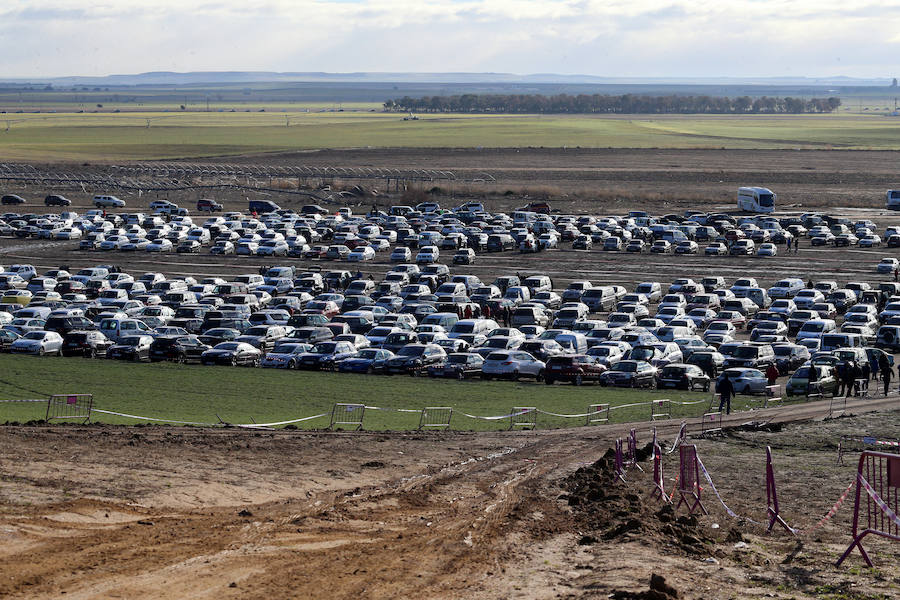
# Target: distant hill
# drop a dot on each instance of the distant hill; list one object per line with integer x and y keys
{"x": 237, "y": 77}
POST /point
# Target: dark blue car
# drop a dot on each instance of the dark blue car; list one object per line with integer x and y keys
{"x": 369, "y": 360}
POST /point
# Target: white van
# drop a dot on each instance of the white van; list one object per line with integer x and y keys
{"x": 815, "y": 329}
{"x": 834, "y": 340}
{"x": 115, "y": 329}
{"x": 573, "y": 343}
{"x": 473, "y": 326}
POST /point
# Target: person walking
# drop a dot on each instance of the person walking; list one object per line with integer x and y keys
{"x": 841, "y": 376}
{"x": 487, "y": 311}
{"x": 796, "y": 245}
{"x": 873, "y": 368}
{"x": 789, "y": 245}
{"x": 726, "y": 391}
{"x": 885, "y": 367}
{"x": 849, "y": 378}
{"x": 812, "y": 381}
{"x": 772, "y": 374}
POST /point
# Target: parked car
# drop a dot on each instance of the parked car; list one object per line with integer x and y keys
{"x": 131, "y": 347}
{"x": 745, "y": 381}
{"x": 513, "y": 365}
{"x": 38, "y": 343}
{"x": 89, "y": 344}
{"x": 575, "y": 369}
{"x": 459, "y": 365}
{"x": 824, "y": 381}
{"x": 177, "y": 348}
{"x": 232, "y": 353}
{"x": 369, "y": 360}
{"x": 683, "y": 377}
{"x": 630, "y": 373}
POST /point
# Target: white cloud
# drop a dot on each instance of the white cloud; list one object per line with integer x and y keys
{"x": 600, "y": 37}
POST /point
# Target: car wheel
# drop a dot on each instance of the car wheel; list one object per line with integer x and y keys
{"x": 579, "y": 380}
{"x": 91, "y": 353}
{"x": 515, "y": 375}
{"x": 180, "y": 359}
{"x": 234, "y": 361}
{"x": 548, "y": 381}
{"x": 41, "y": 352}
{"x": 460, "y": 375}
{"x": 539, "y": 376}
{"x": 292, "y": 364}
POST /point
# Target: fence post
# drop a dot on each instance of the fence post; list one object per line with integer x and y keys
{"x": 620, "y": 463}
{"x": 659, "y": 488}
{"x": 772, "y": 495}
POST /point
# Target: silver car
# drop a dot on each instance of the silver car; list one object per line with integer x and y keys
{"x": 512, "y": 364}
{"x": 38, "y": 343}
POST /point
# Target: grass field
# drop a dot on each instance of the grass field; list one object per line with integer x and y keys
{"x": 205, "y": 394}
{"x": 127, "y": 136}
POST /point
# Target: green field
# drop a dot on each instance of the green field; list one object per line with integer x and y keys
{"x": 238, "y": 395}
{"x": 169, "y": 135}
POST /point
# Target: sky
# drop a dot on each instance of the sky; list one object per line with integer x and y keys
{"x": 614, "y": 38}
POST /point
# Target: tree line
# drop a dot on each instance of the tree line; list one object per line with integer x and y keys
{"x": 605, "y": 104}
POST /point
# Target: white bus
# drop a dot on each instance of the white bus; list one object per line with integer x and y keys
{"x": 756, "y": 199}
{"x": 893, "y": 200}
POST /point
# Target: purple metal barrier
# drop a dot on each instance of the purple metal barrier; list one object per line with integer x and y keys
{"x": 772, "y": 495}
{"x": 620, "y": 463}
{"x": 631, "y": 457}
{"x": 659, "y": 489}
{"x": 878, "y": 475}
{"x": 689, "y": 488}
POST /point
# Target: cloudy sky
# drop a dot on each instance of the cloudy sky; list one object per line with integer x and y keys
{"x": 621, "y": 38}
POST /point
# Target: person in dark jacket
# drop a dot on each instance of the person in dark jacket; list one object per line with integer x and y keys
{"x": 726, "y": 391}
{"x": 885, "y": 367}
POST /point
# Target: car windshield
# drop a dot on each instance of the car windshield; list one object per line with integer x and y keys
{"x": 324, "y": 348}
{"x": 458, "y": 359}
{"x": 227, "y": 346}
{"x": 746, "y": 352}
{"x": 801, "y": 373}
{"x": 625, "y": 367}
{"x": 411, "y": 351}
{"x": 131, "y": 341}
{"x": 35, "y": 335}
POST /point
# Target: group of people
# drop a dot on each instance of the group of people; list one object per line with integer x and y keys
{"x": 847, "y": 373}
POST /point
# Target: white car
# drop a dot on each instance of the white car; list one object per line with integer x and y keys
{"x": 401, "y": 254}
{"x": 273, "y": 248}
{"x": 887, "y": 265}
{"x": 113, "y": 242}
{"x": 362, "y": 253}
{"x": 160, "y": 246}
{"x": 745, "y": 381}
{"x": 247, "y": 248}
{"x": 39, "y": 343}
{"x": 108, "y": 202}
{"x": 512, "y": 364}
{"x": 427, "y": 254}
{"x": 716, "y": 249}
{"x": 767, "y": 249}
{"x": 222, "y": 248}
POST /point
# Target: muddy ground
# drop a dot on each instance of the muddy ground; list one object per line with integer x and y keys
{"x": 150, "y": 512}
{"x": 113, "y": 512}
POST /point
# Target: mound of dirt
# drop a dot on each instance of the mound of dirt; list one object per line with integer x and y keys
{"x": 608, "y": 510}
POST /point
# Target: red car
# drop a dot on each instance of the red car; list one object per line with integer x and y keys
{"x": 576, "y": 369}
